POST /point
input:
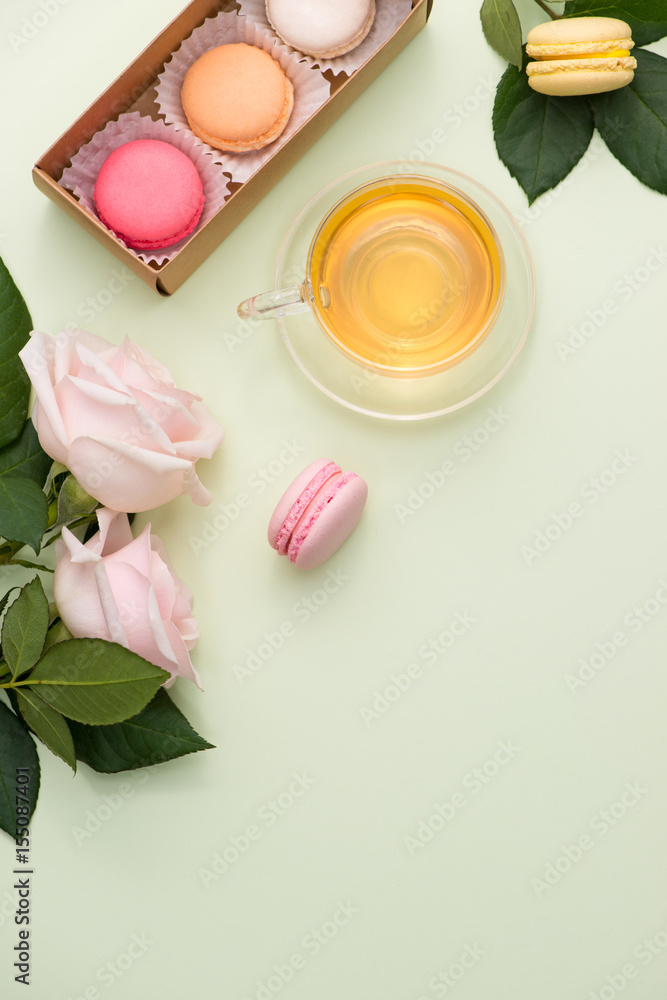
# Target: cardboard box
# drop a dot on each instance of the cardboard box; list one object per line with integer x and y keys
{"x": 133, "y": 91}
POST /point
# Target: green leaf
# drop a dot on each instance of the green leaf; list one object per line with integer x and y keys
{"x": 25, "y": 457}
{"x": 15, "y": 327}
{"x": 159, "y": 733}
{"x": 24, "y": 628}
{"x": 633, "y": 121}
{"x": 56, "y": 471}
{"x": 538, "y": 138}
{"x": 73, "y": 501}
{"x": 23, "y": 511}
{"x": 47, "y": 724}
{"x": 17, "y": 750}
{"x": 502, "y": 29}
{"x": 646, "y": 17}
{"x": 95, "y": 681}
{"x": 5, "y": 598}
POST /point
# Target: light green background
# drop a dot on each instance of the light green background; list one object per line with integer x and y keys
{"x": 408, "y": 913}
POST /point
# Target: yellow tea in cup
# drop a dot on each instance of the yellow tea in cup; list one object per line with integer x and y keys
{"x": 406, "y": 275}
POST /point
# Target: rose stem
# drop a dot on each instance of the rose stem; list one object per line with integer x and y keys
{"x": 542, "y": 4}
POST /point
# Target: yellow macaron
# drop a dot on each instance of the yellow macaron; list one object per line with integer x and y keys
{"x": 580, "y": 55}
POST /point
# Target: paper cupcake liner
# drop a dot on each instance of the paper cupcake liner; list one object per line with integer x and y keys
{"x": 80, "y": 177}
{"x": 311, "y": 90}
{"x": 389, "y": 15}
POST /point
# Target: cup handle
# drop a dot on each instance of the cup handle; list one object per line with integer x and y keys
{"x": 281, "y": 302}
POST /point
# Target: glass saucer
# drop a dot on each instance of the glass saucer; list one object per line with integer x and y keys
{"x": 401, "y": 397}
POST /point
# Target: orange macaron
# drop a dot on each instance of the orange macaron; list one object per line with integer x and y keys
{"x": 237, "y": 98}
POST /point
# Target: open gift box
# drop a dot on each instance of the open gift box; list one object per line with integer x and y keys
{"x": 134, "y": 91}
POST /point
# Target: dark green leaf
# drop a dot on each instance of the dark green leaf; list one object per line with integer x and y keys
{"x": 73, "y": 501}
{"x": 24, "y": 628}
{"x": 47, "y": 724}
{"x": 94, "y": 681}
{"x": 13, "y": 701}
{"x": 23, "y": 511}
{"x": 5, "y": 598}
{"x": 17, "y": 750}
{"x": 159, "y": 733}
{"x": 502, "y": 29}
{"x": 633, "y": 121}
{"x": 15, "y": 327}
{"x": 647, "y": 18}
{"x": 538, "y": 138}
{"x": 24, "y": 456}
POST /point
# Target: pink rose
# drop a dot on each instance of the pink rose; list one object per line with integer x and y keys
{"x": 115, "y": 418}
{"x": 123, "y": 589}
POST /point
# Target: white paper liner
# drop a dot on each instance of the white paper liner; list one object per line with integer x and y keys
{"x": 311, "y": 90}
{"x": 389, "y": 15}
{"x": 80, "y": 177}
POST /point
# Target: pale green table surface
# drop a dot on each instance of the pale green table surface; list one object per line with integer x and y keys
{"x": 492, "y": 828}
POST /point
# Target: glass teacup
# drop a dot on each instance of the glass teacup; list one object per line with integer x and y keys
{"x": 405, "y": 275}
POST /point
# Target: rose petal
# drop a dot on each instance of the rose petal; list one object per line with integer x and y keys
{"x": 123, "y": 588}
{"x": 114, "y": 417}
{"x": 185, "y": 667}
{"x": 137, "y": 553}
{"x": 104, "y": 372}
{"x": 112, "y": 614}
{"x": 78, "y": 552}
{"x": 195, "y": 489}
{"x": 126, "y": 478}
{"x": 138, "y": 368}
{"x": 76, "y": 596}
{"x": 139, "y": 615}
{"x": 163, "y": 585}
{"x": 48, "y": 423}
{"x": 114, "y": 533}
{"x": 66, "y": 360}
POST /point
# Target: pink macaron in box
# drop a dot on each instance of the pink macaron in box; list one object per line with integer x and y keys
{"x": 149, "y": 193}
